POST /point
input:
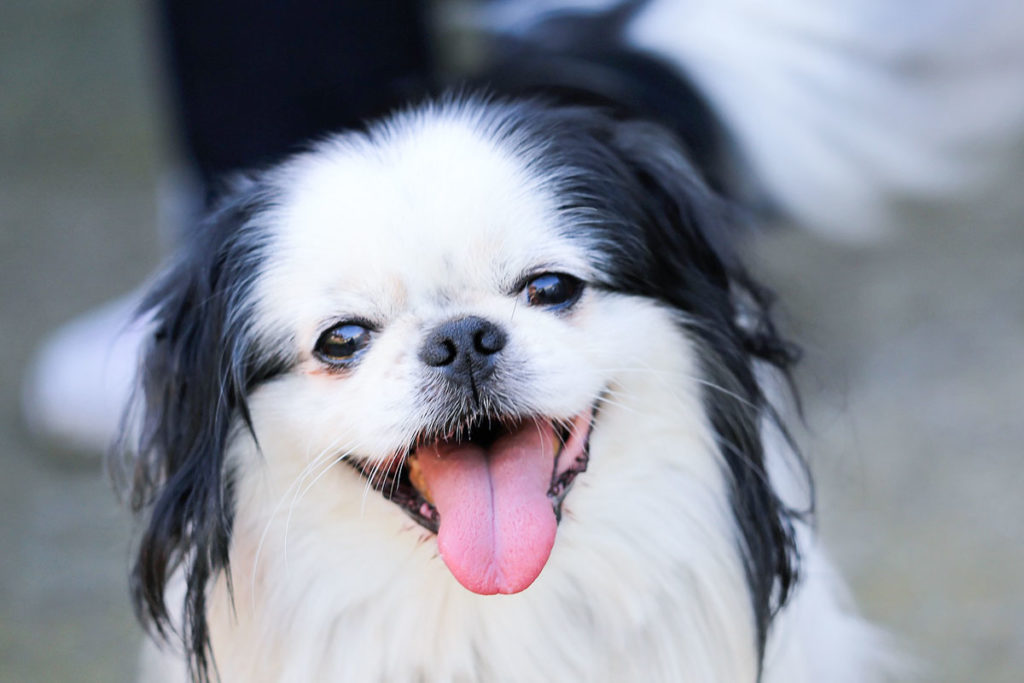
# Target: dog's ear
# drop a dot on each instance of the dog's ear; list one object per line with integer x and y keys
{"x": 693, "y": 226}
{"x": 196, "y": 371}
{"x": 689, "y": 233}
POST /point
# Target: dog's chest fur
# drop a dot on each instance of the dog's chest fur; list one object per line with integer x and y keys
{"x": 649, "y": 588}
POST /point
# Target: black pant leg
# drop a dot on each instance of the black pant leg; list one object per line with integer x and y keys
{"x": 253, "y": 80}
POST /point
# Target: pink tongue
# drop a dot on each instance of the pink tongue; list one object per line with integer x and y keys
{"x": 497, "y": 525}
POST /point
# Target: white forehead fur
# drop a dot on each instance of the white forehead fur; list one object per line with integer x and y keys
{"x": 433, "y": 209}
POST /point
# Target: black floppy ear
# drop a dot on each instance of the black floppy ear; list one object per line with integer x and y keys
{"x": 688, "y": 232}
{"x": 195, "y": 374}
{"x": 691, "y": 232}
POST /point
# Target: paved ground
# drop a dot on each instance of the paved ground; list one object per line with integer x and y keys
{"x": 913, "y": 378}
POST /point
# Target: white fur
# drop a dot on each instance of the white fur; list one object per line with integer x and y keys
{"x": 844, "y": 111}
{"x": 333, "y": 582}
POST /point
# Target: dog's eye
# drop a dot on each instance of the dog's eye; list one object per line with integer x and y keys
{"x": 556, "y": 290}
{"x": 342, "y": 343}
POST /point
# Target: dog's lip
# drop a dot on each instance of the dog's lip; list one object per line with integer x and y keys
{"x": 393, "y": 478}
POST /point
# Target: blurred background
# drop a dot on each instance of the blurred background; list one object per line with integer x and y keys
{"x": 913, "y": 380}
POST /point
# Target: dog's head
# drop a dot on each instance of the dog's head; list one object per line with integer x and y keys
{"x": 448, "y": 304}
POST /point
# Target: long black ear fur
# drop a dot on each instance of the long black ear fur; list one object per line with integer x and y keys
{"x": 196, "y": 371}
{"x": 692, "y": 266}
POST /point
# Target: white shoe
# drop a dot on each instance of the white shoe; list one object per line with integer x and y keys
{"x": 82, "y": 377}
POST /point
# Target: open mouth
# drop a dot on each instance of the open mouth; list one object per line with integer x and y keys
{"x": 492, "y": 491}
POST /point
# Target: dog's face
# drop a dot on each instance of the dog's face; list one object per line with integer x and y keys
{"x": 449, "y": 305}
{"x": 450, "y": 335}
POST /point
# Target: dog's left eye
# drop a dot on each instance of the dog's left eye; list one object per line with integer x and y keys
{"x": 342, "y": 343}
{"x": 555, "y": 290}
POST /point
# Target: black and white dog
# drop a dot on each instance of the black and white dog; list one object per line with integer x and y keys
{"x": 481, "y": 394}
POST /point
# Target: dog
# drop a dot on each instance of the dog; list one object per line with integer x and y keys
{"x": 482, "y": 393}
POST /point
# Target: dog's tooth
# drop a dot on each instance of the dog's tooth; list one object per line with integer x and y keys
{"x": 416, "y": 477}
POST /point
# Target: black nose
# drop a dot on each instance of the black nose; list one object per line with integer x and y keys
{"x": 465, "y": 349}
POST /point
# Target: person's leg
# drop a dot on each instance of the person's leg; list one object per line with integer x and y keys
{"x": 253, "y": 81}
{"x": 250, "y": 83}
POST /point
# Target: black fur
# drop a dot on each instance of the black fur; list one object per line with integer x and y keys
{"x": 582, "y": 59}
{"x": 199, "y": 367}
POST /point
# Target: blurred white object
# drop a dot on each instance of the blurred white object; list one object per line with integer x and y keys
{"x": 845, "y": 111}
{"x": 82, "y": 376}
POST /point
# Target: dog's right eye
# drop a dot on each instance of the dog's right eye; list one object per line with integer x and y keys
{"x": 342, "y": 343}
{"x": 553, "y": 290}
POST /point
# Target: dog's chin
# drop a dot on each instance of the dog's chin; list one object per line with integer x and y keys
{"x": 492, "y": 491}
